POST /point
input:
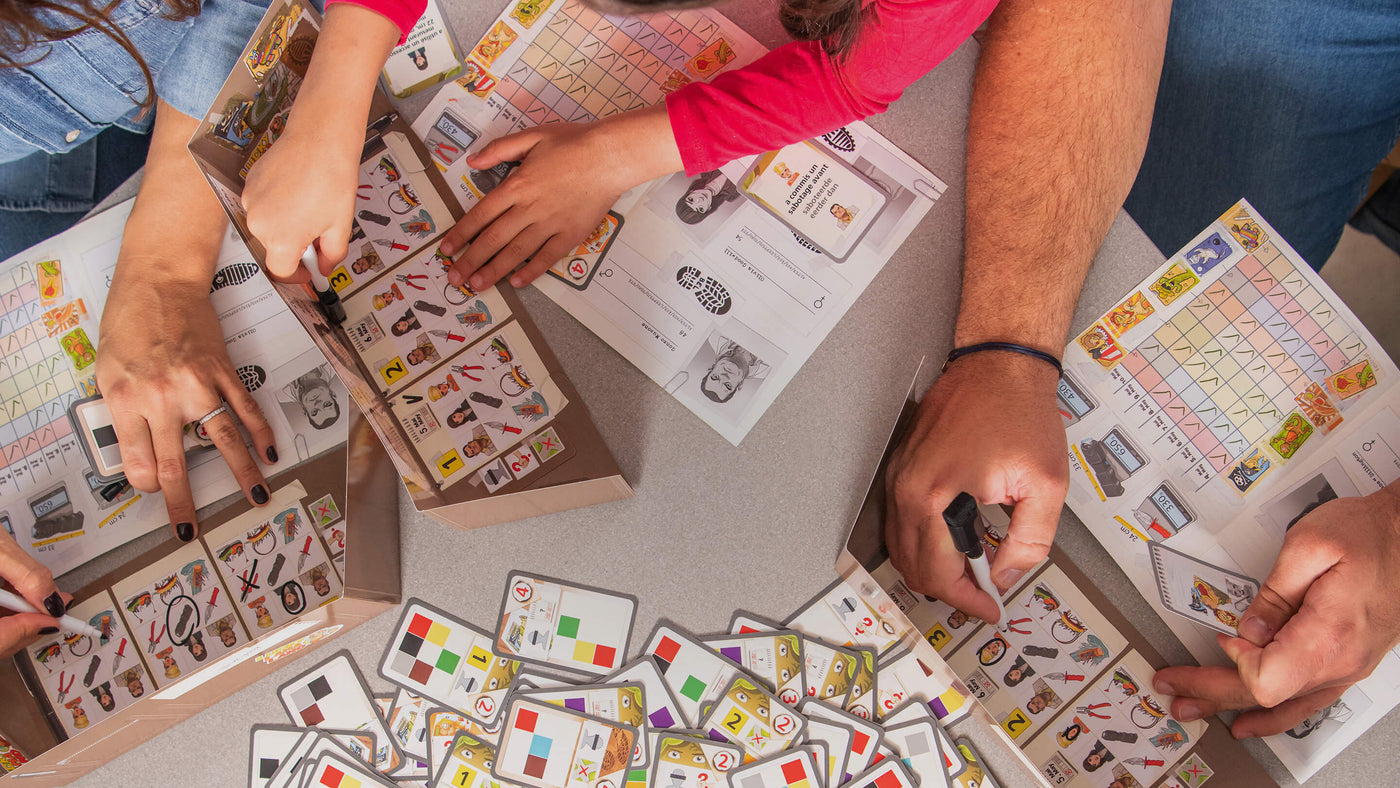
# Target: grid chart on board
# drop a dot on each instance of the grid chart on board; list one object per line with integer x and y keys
{"x": 1220, "y": 374}
{"x": 583, "y": 65}
{"x": 37, "y": 385}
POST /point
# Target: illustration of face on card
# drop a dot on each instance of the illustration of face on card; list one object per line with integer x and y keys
{"x": 1207, "y": 594}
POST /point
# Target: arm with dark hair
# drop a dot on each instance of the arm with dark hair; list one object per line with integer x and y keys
{"x": 571, "y": 174}
{"x": 1064, "y": 91}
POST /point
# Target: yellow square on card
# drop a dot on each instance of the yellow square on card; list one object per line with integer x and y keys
{"x": 583, "y": 652}
{"x": 437, "y": 634}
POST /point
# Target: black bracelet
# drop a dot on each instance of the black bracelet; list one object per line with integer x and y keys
{"x": 959, "y": 352}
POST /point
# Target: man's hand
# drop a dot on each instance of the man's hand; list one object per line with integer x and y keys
{"x": 988, "y": 427}
{"x": 1325, "y": 617}
{"x": 569, "y": 175}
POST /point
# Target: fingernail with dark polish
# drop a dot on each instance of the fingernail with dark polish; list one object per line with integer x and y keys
{"x": 272, "y": 454}
{"x": 49, "y": 631}
{"x": 185, "y": 531}
{"x": 259, "y": 494}
{"x": 54, "y": 604}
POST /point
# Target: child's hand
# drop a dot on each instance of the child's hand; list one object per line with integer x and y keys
{"x": 302, "y": 190}
{"x": 569, "y": 175}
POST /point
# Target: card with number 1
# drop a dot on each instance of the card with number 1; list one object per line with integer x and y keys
{"x": 549, "y": 622}
{"x": 449, "y": 661}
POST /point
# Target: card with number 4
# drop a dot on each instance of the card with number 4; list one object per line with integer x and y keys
{"x": 448, "y": 661}
{"x": 548, "y": 746}
{"x": 549, "y": 622}
{"x": 753, "y": 718}
{"x": 1207, "y": 594}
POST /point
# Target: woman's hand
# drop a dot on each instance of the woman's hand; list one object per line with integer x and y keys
{"x": 162, "y": 364}
{"x": 569, "y": 175}
{"x": 31, "y": 580}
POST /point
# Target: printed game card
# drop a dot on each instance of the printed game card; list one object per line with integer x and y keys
{"x": 291, "y": 763}
{"x": 408, "y": 721}
{"x": 866, "y": 736}
{"x": 861, "y": 700}
{"x": 686, "y": 761}
{"x": 830, "y": 671}
{"x": 695, "y": 674}
{"x": 298, "y": 765}
{"x": 1207, "y": 594}
{"x": 625, "y": 703}
{"x": 268, "y": 746}
{"x": 662, "y": 710}
{"x": 890, "y": 773}
{"x": 333, "y": 694}
{"x": 774, "y": 659}
{"x": 753, "y": 718}
{"x": 333, "y": 771}
{"x": 821, "y": 197}
{"x": 796, "y": 769}
{"x": 273, "y": 562}
{"x": 89, "y": 680}
{"x": 837, "y": 739}
{"x": 443, "y": 727}
{"x": 917, "y": 745}
{"x": 743, "y": 623}
{"x": 547, "y": 746}
{"x": 466, "y": 764}
{"x": 549, "y": 622}
{"x": 914, "y": 711}
{"x": 181, "y": 613}
{"x": 840, "y": 615}
{"x": 449, "y": 661}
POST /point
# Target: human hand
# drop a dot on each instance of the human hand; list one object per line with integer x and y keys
{"x": 33, "y": 581}
{"x": 298, "y": 192}
{"x": 1323, "y": 620}
{"x": 988, "y": 427}
{"x": 161, "y": 364}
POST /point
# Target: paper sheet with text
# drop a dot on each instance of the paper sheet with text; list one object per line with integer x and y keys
{"x": 717, "y": 287}
{"x": 1226, "y": 396}
{"x": 51, "y": 301}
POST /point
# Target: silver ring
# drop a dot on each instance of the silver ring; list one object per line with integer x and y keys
{"x": 223, "y": 408}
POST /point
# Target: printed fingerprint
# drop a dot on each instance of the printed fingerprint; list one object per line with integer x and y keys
{"x": 708, "y": 291}
{"x": 840, "y": 139}
{"x": 253, "y": 376}
{"x": 233, "y": 274}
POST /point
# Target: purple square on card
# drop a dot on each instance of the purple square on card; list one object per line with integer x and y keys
{"x": 733, "y": 653}
{"x": 577, "y": 704}
{"x": 661, "y": 718}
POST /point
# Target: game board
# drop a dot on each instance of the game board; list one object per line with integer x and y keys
{"x": 51, "y": 302}
{"x": 683, "y": 291}
{"x": 1224, "y": 397}
{"x": 457, "y": 383}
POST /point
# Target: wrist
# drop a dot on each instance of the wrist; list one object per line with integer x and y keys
{"x": 993, "y": 368}
{"x": 639, "y": 144}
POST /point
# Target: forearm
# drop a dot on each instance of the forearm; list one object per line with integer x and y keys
{"x": 640, "y": 143}
{"x": 333, "y": 102}
{"x": 176, "y": 226}
{"x": 1061, "y": 109}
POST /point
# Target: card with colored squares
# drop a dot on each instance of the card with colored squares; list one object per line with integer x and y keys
{"x": 333, "y": 694}
{"x": 547, "y": 746}
{"x": 334, "y": 771}
{"x": 621, "y": 702}
{"x": 837, "y": 740}
{"x": 661, "y": 707}
{"x": 449, "y": 661}
{"x": 775, "y": 658}
{"x": 890, "y": 774}
{"x": 753, "y": 718}
{"x": 796, "y": 769}
{"x": 694, "y": 673}
{"x": 917, "y": 746}
{"x": 562, "y": 625}
{"x": 268, "y": 747}
{"x": 693, "y": 761}
{"x": 466, "y": 763}
{"x": 866, "y": 736}
{"x": 839, "y": 615}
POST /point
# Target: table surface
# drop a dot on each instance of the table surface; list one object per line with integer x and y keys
{"x": 715, "y": 527}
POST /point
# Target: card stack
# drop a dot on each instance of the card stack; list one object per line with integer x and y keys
{"x": 828, "y": 700}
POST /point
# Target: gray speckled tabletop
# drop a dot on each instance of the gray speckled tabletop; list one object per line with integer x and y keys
{"x": 715, "y": 527}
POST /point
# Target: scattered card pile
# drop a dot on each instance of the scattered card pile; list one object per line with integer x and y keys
{"x": 828, "y": 700}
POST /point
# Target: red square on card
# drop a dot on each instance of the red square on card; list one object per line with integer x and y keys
{"x": 603, "y": 656}
{"x": 331, "y": 777}
{"x": 889, "y": 779}
{"x": 667, "y": 649}
{"x": 525, "y": 720}
{"x": 793, "y": 771}
{"x": 420, "y": 625}
{"x": 862, "y": 740}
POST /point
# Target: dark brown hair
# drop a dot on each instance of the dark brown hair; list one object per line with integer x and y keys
{"x": 20, "y": 29}
{"x": 835, "y": 23}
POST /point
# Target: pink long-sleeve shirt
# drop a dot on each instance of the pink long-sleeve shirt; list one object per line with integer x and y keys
{"x": 797, "y": 91}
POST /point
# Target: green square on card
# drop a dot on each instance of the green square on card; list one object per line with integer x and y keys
{"x": 693, "y": 688}
{"x": 568, "y": 626}
{"x": 447, "y": 662}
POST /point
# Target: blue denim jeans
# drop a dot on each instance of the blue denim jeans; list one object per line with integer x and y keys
{"x": 1290, "y": 105}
